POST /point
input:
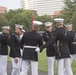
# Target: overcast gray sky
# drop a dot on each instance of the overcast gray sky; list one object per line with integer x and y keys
{"x": 10, "y": 4}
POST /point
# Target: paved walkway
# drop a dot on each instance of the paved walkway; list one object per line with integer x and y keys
{"x": 9, "y": 68}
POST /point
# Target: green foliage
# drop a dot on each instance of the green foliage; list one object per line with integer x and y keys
{"x": 69, "y": 12}
{"x": 73, "y": 20}
{"x": 43, "y": 65}
{"x": 19, "y": 16}
{"x": 3, "y": 21}
{"x": 23, "y": 17}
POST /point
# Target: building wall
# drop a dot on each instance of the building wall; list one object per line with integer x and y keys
{"x": 2, "y": 9}
{"x": 24, "y": 4}
{"x": 43, "y": 7}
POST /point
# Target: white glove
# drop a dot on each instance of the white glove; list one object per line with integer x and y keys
{"x": 16, "y": 59}
{"x": 37, "y": 49}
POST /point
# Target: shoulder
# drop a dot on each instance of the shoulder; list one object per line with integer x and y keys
{"x": 26, "y": 33}
{"x": 4, "y": 34}
{"x": 38, "y": 34}
{"x": 54, "y": 31}
{"x": 12, "y": 35}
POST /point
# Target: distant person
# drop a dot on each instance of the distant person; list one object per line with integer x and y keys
{"x": 29, "y": 43}
{"x": 50, "y": 50}
{"x": 4, "y": 42}
{"x": 72, "y": 43}
{"x": 62, "y": 36}
{"x": 15, "y": 52}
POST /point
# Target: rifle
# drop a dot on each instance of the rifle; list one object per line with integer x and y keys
{"x": 74, "y": 41}
{"x": 58, "y": 54}
{"x": 18, "y": 39}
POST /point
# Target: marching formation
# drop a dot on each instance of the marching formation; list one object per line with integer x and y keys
{"x": 24, "y": 46}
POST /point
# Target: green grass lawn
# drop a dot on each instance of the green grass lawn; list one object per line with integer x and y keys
{"x": 43, "y": 63}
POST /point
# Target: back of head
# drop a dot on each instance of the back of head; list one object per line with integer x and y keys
{"x": 36, "y": 26}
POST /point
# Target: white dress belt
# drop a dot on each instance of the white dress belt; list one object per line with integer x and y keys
{"x": 73, "y": 42}
{"x": 30, "y": 47}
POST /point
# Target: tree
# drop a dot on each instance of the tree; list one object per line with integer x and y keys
{"x": 73, "y": 20}
{"x": 22, "y": 17}
{"x": 69, "y": 9}
{"x": 3, "y": 21}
